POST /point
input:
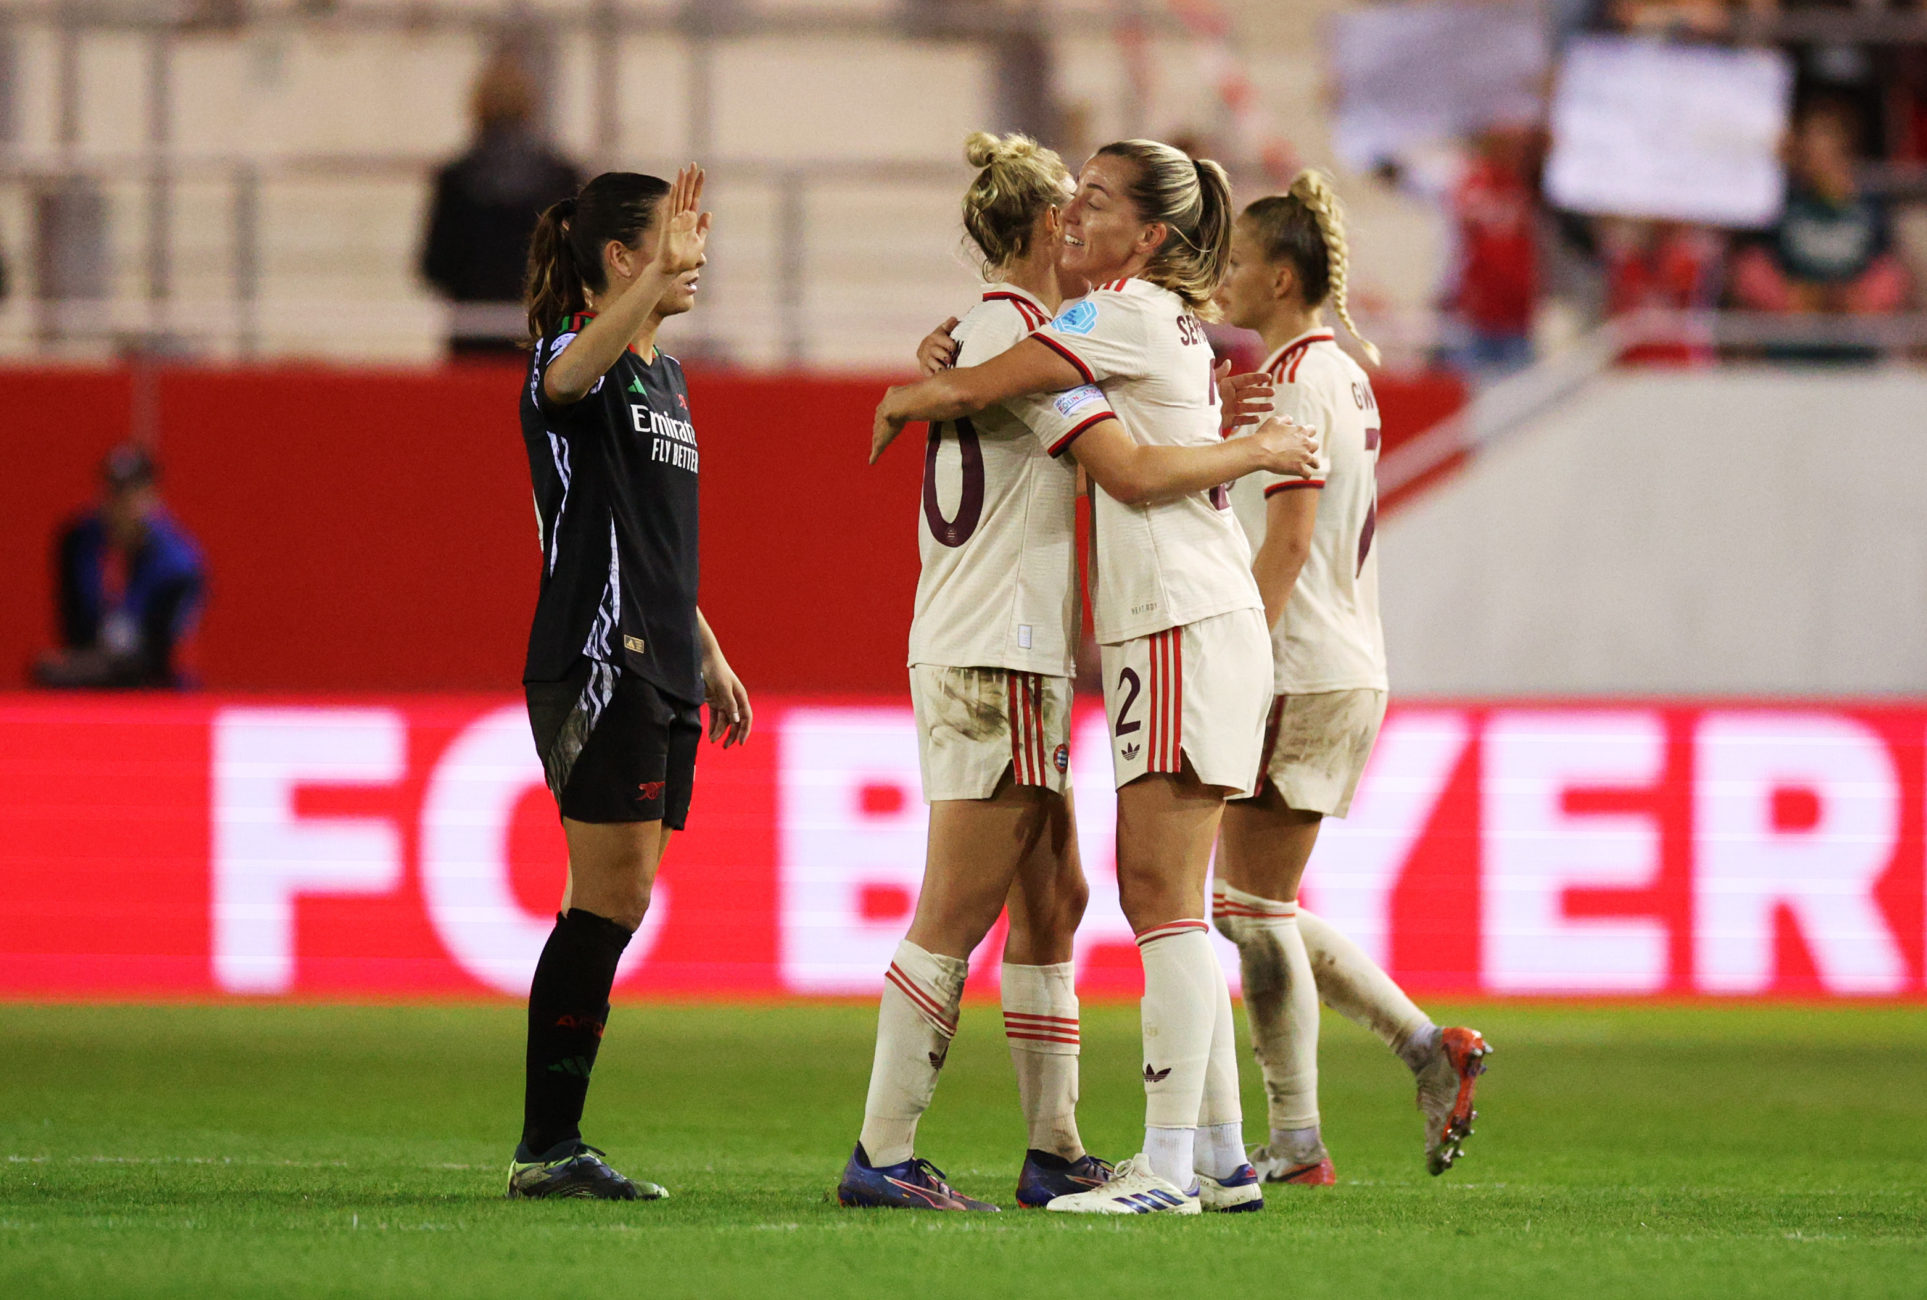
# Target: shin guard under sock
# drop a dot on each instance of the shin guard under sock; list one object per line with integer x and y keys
{"x": 568, "y": 1007}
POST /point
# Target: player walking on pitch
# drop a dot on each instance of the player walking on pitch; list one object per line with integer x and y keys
{"x": 1318, "y": 570}
{"x": 1186, "y": 660}
{"x": 620, "y": 659}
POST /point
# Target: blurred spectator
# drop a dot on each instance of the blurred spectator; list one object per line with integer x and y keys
{"x": 486, "y": 203}
{"x": 1495, "y": 214}
{"x": 1692, "y": 18}
{"x": 1662, "y": 266}
{"x": 1832, "y": 250}
{"x": 130, "y": 584}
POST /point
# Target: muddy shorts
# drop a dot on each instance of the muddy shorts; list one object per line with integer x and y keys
{"x": 974, "y": 724}
{"x": 1316, "y": 747}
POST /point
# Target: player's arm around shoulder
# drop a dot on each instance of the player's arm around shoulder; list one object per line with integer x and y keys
{"x": 1133, "y": 473}
{"x": 1029, "y": 367}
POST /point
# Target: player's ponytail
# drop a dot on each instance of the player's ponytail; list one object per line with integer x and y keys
{"x": 1305, "y": 228}
{"x": 565, "y": 250}
{"x": 1017, "y": 181}
{"x": 1193, "y": 200}
{"x": 553, "y": 287}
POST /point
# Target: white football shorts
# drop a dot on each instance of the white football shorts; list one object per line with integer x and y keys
{"x": 974, "y": 724}
{"x": 1198, "y": 692}
{"x": 1316, "y": 747}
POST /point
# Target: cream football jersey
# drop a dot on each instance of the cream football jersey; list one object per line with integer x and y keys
{"x": 1328, "y": 638}
{"x": 998, "y": 525}
{"x": 1176, "y": 562}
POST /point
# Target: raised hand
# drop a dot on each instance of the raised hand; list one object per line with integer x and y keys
{"x": 1242, "y": 399}
{"x": 685, "y": 228}
{"x": 938, "y": 351}
{"x": 1286, "y": 447}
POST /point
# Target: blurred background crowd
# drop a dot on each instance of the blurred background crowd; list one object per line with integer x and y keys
{"x": 1542, "y": 192}
{"x": 223, "y": 178}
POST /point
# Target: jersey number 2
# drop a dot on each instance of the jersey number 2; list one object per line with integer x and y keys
{"x": 970, "y": 502}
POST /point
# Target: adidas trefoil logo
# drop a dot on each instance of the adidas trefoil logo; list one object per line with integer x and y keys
{"x": 1131, "y": 751}
{"x": 938, "y": 1057}
{"x": 1156, "y": 1076}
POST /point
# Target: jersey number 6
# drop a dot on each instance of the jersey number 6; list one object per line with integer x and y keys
{"x": 970, "y": 502}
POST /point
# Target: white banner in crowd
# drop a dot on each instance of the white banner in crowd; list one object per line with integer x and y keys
{"x": 1671, "y": 132}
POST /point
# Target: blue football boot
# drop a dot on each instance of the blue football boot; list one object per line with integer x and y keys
{"x": 1046, "y": 1176}
{"x": 1239, "y": 1191}
{"x": 913, "y": 1185}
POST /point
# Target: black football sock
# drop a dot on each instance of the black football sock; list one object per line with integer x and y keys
{"x": 568, "y": 1006}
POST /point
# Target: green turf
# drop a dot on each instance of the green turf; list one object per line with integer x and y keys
{"x": 310, "y": 1150}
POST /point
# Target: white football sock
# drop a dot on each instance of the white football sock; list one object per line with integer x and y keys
{"x": 1355, "y": 986}
{"x": 1040, "y": 1022}
{"x": 1221, "y": 1144}
{"x": 1179, "y": 1014}
{"x": 1281, "y": 999}
{"x": 1171, "y": 1154}
{"x": 1219, "y": 1151}
{"x": 1299, "y": 1145}
{"x": 916, "y": 1020}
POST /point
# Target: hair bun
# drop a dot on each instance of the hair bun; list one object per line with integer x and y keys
{"x": 981, "y": 149}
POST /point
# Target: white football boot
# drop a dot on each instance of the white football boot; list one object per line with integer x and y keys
{"x": 1133, "y": 1189}
{"x": 1237, "y": 1192}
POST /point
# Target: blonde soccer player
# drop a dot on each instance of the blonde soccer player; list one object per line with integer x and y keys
{"x": 991, "y": 659}
{"x": 1317, "y": 568}
{"x": 1186, "y": 657}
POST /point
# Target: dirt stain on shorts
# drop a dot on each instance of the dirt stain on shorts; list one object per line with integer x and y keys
{"x": 972, "y": 702}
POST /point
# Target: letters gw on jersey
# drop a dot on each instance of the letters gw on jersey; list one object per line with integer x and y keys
{"x": 1329, "y": 637}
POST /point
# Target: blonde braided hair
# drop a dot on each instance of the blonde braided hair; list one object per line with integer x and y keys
{"x": 1306, "y": 227}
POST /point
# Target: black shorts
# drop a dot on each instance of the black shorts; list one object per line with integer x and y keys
{"x": 614, "y": 748}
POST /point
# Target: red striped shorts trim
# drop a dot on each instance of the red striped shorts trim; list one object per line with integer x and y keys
{"x": 1029, "y": 748}
{"x": 1166, "y": 650}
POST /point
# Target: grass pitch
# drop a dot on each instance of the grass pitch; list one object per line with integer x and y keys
{"x": 324, "y": 1150}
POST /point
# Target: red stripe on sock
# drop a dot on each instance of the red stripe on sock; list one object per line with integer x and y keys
{"x": 1055, "y": 1023}
{"x": 1070, "y": 1041}
{"x": 1169, "y": 930}
{"x": 921, "y": 1000}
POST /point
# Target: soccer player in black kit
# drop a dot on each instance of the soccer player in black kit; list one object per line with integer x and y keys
{"x": 620, "y": 658}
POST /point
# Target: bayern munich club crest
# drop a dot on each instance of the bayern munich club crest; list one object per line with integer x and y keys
{"x": 1062, "y": 758}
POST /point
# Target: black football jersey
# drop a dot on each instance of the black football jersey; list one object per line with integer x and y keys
{"x": 615, "y": 502}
